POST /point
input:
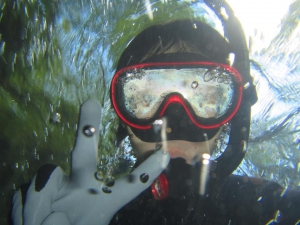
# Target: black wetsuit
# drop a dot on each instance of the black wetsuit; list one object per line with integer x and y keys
{"x": 235, "y": 200}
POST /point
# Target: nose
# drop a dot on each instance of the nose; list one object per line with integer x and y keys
{"x": 174, "y": 100}
{"x": 181, "y": 127}
{"x": 176, "y": 113}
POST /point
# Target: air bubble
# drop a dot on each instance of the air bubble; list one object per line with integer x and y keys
{"x": 89, "y": 131}
{"x": 99, "y": 176}
{"x": 223, "y": 13}
{"x": 46, "y": 131}
{"x": 278, "y": 217}
{"x": 144, "y": 178}
{"x": 220, "y": 79}
{"x": 14, "y": 59}
{"x": 205, "y": 158}
{"x": 247, "y": 85}
{"x": 231, "y": 58}
{"x": 218, "y": 143}
{"x": 244, "y": 145}
{"x": 283, "y": 193}
{"x": 210, "y": 75}
{"x": 28, "y": 97}
{"x": 221, "y": 142}
{"x": 158, "y": 146}
{"x": 157, "y": 125}
{"x": 93, "y": 191}
{"x": 106, "y": 190}
{"x": 3, "y": 6}
{"x": 194, "y": 84}
{"x": 158, "y": 122}
{"x": 260, "y": 199}
{"x": 2, "y": 47}
{"x": 55, "y": 118}
{"x": 169, "y": 130}
{"x": 110, "y": 183}
{"x": 129, "y": 75}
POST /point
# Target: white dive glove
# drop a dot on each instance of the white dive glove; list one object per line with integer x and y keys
{"x": 52, "y": 197}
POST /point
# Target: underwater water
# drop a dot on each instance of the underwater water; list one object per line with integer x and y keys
{"x": 56, "y": 54}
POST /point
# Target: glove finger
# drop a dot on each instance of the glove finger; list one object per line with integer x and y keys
{"x": 57, "y": 218}
{"x": 41, "y": 193}
{"x": 130, "y": 186}
{"x": 114, "y": 196}
{"x": 17, "y": 204}
{"x": 85, "y": 152}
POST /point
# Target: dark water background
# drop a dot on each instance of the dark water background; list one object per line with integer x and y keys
{"x": 56, "y": 54}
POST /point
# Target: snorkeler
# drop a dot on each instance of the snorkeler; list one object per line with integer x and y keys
{"x": 181, "y": 88}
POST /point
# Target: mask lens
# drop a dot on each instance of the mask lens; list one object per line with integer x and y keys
{"x": 206, "y": 91}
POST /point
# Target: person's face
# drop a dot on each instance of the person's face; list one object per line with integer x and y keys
{"x": 189, "y": 151}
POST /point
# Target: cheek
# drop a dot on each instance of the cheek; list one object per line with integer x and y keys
{"x": 177, "y": 148}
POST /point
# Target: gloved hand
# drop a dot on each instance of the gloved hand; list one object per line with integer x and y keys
{"x": 55, "y": 198}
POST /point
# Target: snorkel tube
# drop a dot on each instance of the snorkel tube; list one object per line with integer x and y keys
{"x": 240, "y": 123}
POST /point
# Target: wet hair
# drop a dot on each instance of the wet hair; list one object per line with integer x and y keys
{"x": 177, "y": 36}
{"x": 180, "y": 40}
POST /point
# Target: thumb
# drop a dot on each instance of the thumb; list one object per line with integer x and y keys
{"x": 41, "y": 193}
{"x": 130, "y": 186}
